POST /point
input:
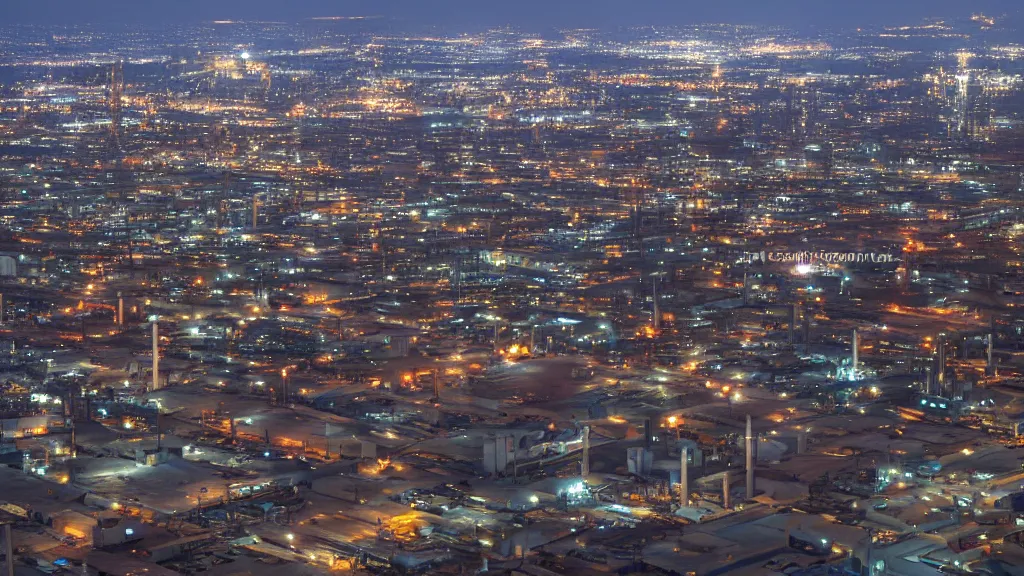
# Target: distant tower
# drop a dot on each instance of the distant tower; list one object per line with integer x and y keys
{"x": 634, "y": 197}
{"x": 750, "y": 459}
{"x": 116, "y": 91}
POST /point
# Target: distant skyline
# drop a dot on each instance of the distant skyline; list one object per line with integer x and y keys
{"x": 530, "y": 14}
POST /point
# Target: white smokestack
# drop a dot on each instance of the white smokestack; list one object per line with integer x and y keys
{"x": 750, "y": 460}
{"x": 988, "y": 351}
{"x": 684, "y": 477}
{"x": 156, "y": 355}
{"x": 585, "y": 468}
{"x": 856, "y": 346}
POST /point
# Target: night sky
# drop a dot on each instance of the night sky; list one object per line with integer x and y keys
{"x": 532, "y": 14}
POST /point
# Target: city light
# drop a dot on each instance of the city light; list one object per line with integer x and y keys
{"x": 392, "y": 285}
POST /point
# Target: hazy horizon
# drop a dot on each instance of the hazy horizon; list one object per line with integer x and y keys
{"x": 527, "y": 14}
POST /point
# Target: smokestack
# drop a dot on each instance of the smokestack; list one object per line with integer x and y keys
{"x": 792, "y": 324}
{"x": 725, "y": 491}
{"x": 120, "y": 310}
{"x": 156, "y": 354}
{"x": 750, "y": 460}
{"x": 9, "y": 549}
{"x": 586, "y": 452}
{"x": 684, "y": 477}
{"x": 807, "y": 329}
{"x": 657, "y": 313}
{"x": 941, "y": 372}
{"x": 746, "y": 297}
{"x": 255, "y": 211}
{"x": 801, "y": 442}
{"x": 648, "y": 432}
{"x": 988, "y": 351}
{"x": 437, "y": 386}
{"x": 856, "y": 357}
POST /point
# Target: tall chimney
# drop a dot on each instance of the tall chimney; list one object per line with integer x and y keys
{"x": 856, "y": 356}
{"x": 746, "y": 298}
{"x": 750, "y": 460}
{"x": 585, "y": 468}
{"x": 9, "y": 549}
{"x": 255, "y": 211}
{"x": 807, "y": 328}
{"x": 941, "y": 371}
{"x": 684, "y": 477}
{"x": 657, "y": 313}
{"x": 120, "y": 310}
{"x": 991, "y": 368}
{"x": 801, "y": 442}
{"x": 792, "y": 324}
{"x": 437, "y": 386}
{"x": 725, "y": 490}
{"x": 156, "y": 354}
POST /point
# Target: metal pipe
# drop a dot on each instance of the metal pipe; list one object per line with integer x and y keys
{"x": 725, "y": 491}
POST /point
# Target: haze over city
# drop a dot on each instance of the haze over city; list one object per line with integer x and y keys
{"x": 528, "y": 288}
{"x": 529, "y": 14}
